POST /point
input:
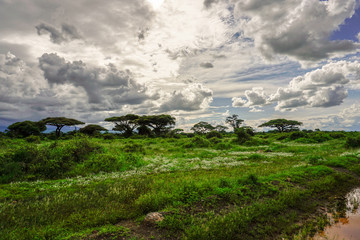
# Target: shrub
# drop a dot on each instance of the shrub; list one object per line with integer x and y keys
{"x": 108, "y": 136}
{"x": 250, "y": 179}
{"x": 215, "y": 140}
{"x": 30, "y": 162}
{"x": 297, "y": 135}
{"x": 256, "y": 142}
{"x": 242, "y": 135}
{"x": 313, "y": 159}
{"x": 222, "y": 146}
{"x": 282, "y": 136}
{"x": 104, "y": 163}
{"x": 132, "y": 147}
{"x": 353, "y": 142}
{"x": 305, "y": 140}
{"x": 337, "y": 135}
{"x": 33, "y": 139}
{"x": 213, "y": 134}
{"x": 320, "y": 136}
{"x": 197, "y": 141}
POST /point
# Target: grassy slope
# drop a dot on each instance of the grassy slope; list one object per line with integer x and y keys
{"x": 263, "y": 192}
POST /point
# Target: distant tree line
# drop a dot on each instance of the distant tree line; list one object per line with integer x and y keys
{"x": 147, "y": 125}
{"x": 156, "y": 125}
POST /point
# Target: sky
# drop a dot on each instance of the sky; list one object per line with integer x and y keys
{"x": 197, "y": 60}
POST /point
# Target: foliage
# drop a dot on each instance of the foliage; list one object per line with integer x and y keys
{"x": 220, "y": 128}
{"x": 92, "y": 129}
{"x": 108, "y": 136}
{"x": 60, "y": 122}
{"x": 297, "y": 134}
{"x": 125, "y": 124}
{"x": 144, "y": 130}
{"x": 26, "y": 128}
{"x": 282, "y": 125}
{"x": 261, "y": 189}
{"x": 353, "y": 142}
{"x": 242, "y": 134}
{"x": 132, "y": 147}
{"x": 45, "y": 162}
{"x": 213, "y": 134}
{"x": 33, "y": 139}
{"x": 234, "y": 121}
{"x": 198, "y": 141}
{"x": 202, "y": 128}
{"x": 160, "y": 124}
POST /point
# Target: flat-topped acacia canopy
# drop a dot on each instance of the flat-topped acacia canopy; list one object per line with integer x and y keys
{"x": 281, "y": 124}
{"x": 60, "y": 122}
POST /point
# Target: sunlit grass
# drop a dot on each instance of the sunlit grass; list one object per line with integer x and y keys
{"x": 239, "y": 192}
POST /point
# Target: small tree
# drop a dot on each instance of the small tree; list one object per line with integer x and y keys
{"x": 282, "y": 125}
{"x": 202, "y": 128}
{"x": 60, "y": 122}
{"x": 234, "y": 121}
{"x": 243, "y": 134}
{"x": 175, "y": 133}
{"x": 92, "y": 129}
{"x": 160, "y": 124}
{"x": 220, "y": 128}
{"x": 125, "y": 124}
{"x": 26, "y": 128}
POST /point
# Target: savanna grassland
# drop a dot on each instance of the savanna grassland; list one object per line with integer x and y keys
{"x": 271, "y": 186}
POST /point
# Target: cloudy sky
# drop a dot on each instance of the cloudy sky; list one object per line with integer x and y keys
{"x": 198, "y": 60}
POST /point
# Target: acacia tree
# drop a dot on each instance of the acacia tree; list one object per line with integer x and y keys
{"x": 234, "y": 121}
{"x": 202, "y": 127}
{"x": 159, "y": 123}
{"x": 26, "y": 128}
{"x": 60, "y": 122}
{"x": 91, "y": 129}
{"x": 221, "y": 128}
{"x": 126, "y": 124}
{"x": 281, "y": 124}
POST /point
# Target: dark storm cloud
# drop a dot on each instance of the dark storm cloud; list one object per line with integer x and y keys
{"x": 67, "y": 33}
{"x": 299, "y": 29}
{"x": 100, "y": 84}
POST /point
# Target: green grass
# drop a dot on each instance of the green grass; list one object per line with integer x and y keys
{"x": 75, "y": 188}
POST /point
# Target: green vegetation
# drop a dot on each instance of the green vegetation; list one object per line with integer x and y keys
{"x": 26, "y": 128}
{"x": 282, "y": 125}
{"x": 60, "y": 122}
{"x": 214, "y": 186}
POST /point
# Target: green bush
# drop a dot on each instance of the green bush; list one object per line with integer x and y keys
{"x": 319, "y": 137}
{"x": 104, "y": 163}
{"x": 353, "y": 142}
{"x": 108, "y": 136}
{"x": 242, "y": 135}
{"x": 256, "y": 142}
{"x": 213, "y": 134}
{"x": 297, "y": 135}
{"x": 132, "y": 147}
{"x": 215, "y": 140}
{"x": 197, "y": 141}
{"x": 337, "y": 135}
{"x": 305, "y": 140}
{"x": 31, "y": 162}
{"x": 33, "y": 139}
{"x": 222, "y": 146}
